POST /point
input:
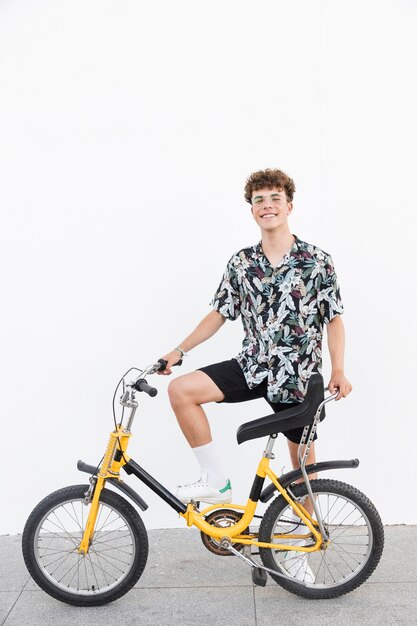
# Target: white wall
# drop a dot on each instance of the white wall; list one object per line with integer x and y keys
{"x": 127, "y": 132}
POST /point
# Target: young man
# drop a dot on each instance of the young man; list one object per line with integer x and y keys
{"x": 285, "y": 290}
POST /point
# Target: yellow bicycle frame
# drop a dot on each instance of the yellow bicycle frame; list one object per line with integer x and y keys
{"x": 233, "y": 533}
{"x": 115, "y": 457}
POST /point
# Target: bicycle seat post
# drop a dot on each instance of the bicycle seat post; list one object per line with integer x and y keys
{"x": 268, "y": 454}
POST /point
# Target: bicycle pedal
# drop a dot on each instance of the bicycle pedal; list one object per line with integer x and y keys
{"x": 259, "y": 576}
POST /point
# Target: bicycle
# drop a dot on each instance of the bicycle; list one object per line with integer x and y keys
{"x": 86, "y": 545}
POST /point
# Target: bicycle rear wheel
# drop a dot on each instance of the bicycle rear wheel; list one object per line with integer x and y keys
{"x": 116, "y": 558}
{"x": 356, "y": 541}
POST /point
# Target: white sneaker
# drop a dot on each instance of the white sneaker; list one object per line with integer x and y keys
{"x": 296, "y": 563}
{"x": 200, "y": 491}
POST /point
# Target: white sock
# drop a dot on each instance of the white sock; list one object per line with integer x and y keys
{"x": 208, "y": 459}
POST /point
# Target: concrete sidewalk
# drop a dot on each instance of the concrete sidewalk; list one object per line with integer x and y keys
{"x": 183, "y": 583}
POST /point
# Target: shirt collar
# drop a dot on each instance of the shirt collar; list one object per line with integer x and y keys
{"x": 295, "y": 247}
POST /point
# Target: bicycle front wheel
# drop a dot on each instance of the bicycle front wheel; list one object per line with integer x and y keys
{"x": 116, "y": 557}
{"x": 356, "y": 541}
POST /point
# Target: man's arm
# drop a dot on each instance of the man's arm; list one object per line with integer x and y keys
{"x": 336, "y": 343}
{"x": 208, "y": 326}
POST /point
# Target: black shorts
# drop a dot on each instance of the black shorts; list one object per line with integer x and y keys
{"x": 230, "y": 379}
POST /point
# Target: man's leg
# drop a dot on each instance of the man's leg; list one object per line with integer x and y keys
{"x": 296, "y": 563}
{"x": 187, "y": 393}
{"x": 293, "y": 449}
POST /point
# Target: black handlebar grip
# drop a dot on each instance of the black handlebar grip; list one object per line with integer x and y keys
{"x": 165, "y": 363}
{"x": 142, "y": 385}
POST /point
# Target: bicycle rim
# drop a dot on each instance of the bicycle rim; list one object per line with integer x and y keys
{"x": 351, "y": 541}
{"x": 110, "y": 557}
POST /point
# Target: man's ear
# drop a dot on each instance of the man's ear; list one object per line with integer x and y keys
{"x": 290, "y": 207}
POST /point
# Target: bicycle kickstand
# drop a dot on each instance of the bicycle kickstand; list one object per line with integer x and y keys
{"x": 259, "y": 576}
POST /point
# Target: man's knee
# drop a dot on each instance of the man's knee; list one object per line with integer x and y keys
{"x": 179, "y": 390}
{"x": 196, "y": 388}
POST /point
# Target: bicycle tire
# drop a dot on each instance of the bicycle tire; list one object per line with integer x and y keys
{"x": 116, "y": 558}
{"x": 346, "y": 569}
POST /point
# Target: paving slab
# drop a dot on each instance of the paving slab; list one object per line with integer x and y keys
{"x": 183, "y": 581}
{"x": 382, "y": 604}
{"x": 150, "y": 607}
{"x": 399, "y": 558}
{"x": 7, "y": 600}
{"x": 13, "y": 572}
{"x": 178, "y": 558}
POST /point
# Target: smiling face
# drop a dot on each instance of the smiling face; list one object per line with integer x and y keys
{"x": 270, "y": 208}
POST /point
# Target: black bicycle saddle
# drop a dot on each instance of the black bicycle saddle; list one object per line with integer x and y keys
{"x": 293, "y": 417}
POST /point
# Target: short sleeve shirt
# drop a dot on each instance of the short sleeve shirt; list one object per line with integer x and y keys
{"x": 283, "y": 310}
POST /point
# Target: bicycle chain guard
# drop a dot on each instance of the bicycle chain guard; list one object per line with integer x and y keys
{"x": 222, "y": 518}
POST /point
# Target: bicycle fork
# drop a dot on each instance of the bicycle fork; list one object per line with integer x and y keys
{"x": 113, "y": 459}
{"x": 97, "y": 485}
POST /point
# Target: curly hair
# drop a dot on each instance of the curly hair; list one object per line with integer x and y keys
{"x": 269, "y": 178}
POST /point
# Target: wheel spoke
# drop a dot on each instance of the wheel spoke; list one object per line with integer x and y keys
{"x": 351, "y": 523}
{"x": 111, "y": 561}
{"x": 76, "y": 517}
{"x": 331, "y": 521}
{"x": 76, "y": 569}
{"x": 348, "y": 554}
{"x": 88, "y": 557}
{"x": 330, "y": 571}
{"x": 100, "y": 556}
{"x": 103, "y": 572}
{"x": 61, "y": 561}
{"x": 321, "y": 563}
{"x": 109, "y": 543}
{"x": 69, "y": 570}
{"x": 106, "y": 533}
{"x": 108, "y": 554}
{"x": 326, "y": 518}
{"x": 98, "y": 528}
{"x": 111, "y": 548}
{"x": 319, "y": 507}
{"x": 345, "y": 528}
{"x": 63, "y": 529}
{"x": 329, "y": 557}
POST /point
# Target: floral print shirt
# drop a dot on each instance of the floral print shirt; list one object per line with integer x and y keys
{"x": 283, "y": 310}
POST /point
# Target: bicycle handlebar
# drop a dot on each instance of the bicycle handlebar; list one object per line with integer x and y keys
{"x": 142, "y": 385}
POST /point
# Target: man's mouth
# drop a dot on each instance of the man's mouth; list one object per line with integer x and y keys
{"x": 268, "y": 216}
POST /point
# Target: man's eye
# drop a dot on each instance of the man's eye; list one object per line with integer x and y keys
{"x": 275, "y": 198}
{"x": 258, "y": 200}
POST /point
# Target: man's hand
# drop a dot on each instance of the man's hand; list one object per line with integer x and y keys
{"x": 338, "y": 381}
{"x": 171, "y": 358}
